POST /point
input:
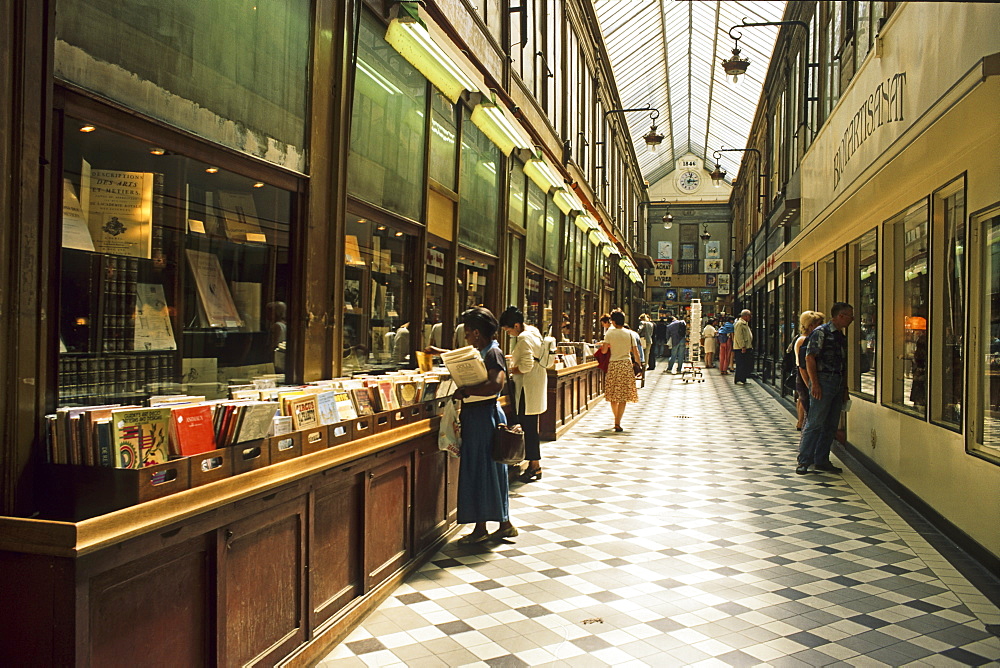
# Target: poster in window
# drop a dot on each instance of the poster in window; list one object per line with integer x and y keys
{"x": 688, "y": 252}
{"x": 239, "y": 213}
{"x": 722, "y": 283}
{"x": 217, "y": 306}
{"x": 713, "y": 266}
{"x": 671, "y": 295}
{"x": 664, "y": 250}
{"x": 687, "y": 294}
{"x": 713, "y": 250}
{"x": 120, "y": 212}
{"x": 710, "y": 279}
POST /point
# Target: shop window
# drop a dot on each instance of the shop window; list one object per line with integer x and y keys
{"x": 551, "y": 324}
{"x": 553, "y": 231}
{"x": 949, "y": 306}
{"x": 515, "y": 200}
{"x": 444, "y": 140}
{"x": 174, "y": 274}
{"x": 479, "y": 188}
{"x": 908, "y": 232}
{"x": 234, "y": 72}
{"x": 386, "y": 164}
{"x": 378, "y": 297}
{"x": 985, "y": 391}
{"x": 533, "y": 299}
{"x": 515, "y": 271}
{"x": 473, "y": 281}
{"x": 865, "y": 254}
{"x": 434, "y": 296}
{"x": 535, "y": 249}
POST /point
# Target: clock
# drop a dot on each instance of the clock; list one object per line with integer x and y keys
{"x": 689, "y": 181}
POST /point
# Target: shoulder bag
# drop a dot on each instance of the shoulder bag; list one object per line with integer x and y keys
{"x": 508, "y": 444}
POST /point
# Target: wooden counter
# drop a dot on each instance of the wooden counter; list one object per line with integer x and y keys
{"x": 272, "y": 566}
{"x": 570, "y": 392}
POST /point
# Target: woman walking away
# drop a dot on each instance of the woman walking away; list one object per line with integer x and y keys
{"x": 530, "y": 385}
{"x": 482, "y": 482}
{"x": 619, "y": 384}
{"x": 708, "y": 341}
{"x": 808, "y": 321}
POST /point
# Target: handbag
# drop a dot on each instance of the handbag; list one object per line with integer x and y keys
{"x": 602, "y": 359}
{"x": 508, "y": 444}
{"x": 636, "y": 369}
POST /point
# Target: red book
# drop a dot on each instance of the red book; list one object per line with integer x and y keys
{"x": 191, "y": 430}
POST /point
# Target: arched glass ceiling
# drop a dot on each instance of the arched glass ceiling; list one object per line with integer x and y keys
{"x": 667, "y": 53}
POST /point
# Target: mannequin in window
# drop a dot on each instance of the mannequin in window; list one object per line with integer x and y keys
{"x": 275, "y": 312}
{"x": 401, "y": 343}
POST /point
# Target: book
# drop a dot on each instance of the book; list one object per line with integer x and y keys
{"x": 281, "y": 424}
{"x": 104, "y": 438}
{"x": 430, "y": 389}
{"x": 152, "y": 327}
{"x": 326, "y": 405}
{"x": 362, "y": 398}
{"x": 75, "y": 233}
{"x": 239, "y": 215}
{"x": 120, "y": 211}
{"x": 465, "y": 365}
{"x": 406, "y": 392}
{"x": 256, "y": 421}
{"x": 425, "y": 362}
{"x": 215, "y": 300}
{"x": 191, "y": 430}
{"x": 140, "y": 437}
{"x": 345, "y": 407}
{"x": 387, "y": 396}
{"x": 304, "y": 411}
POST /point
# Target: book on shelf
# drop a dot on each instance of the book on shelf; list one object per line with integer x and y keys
{"x": 191, "y": 430}
{"x": 140, "y": 437}
{"x": 119, "y": 210}
{"x": 407, "y": 392}
{"x": 256, "y": 421}
{"x": 345, "y": 407}
{"x": 214, "y": 298}
{"x": 304, "y": 411}
{"x": 362, "y": 398}
{"x": 239, "y": 216}
{"x": 153, "y": 329}
{"x": 326, "y": 405}
{"x": 465, "y": 365}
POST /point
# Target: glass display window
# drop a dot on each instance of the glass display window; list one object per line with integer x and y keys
{"x": 550, "y": 321}
{"x": 910, "y": 308}
{"x": 984, "y": 394}
{"x": 535, "y": 249}
{"x": 515, "y": 272}
{"x": 434, "y": 296}
{"x": 473, "y": 281}
{"x": 479, "y": 188}
{"x": 378, "y": 296}
{"x": 174, "y": 274}
{"x": 949, "y": 305}
{"x": 444, "y": 143}
{"x": 553, "y": 235}
{"x": 866, "y": 254}
{"x": 533, "y": 300}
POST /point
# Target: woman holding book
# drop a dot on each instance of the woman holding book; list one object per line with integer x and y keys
{"x": 482, "y": 482}
{"x": 619, "y": 384}
{"x": 530, "y": 385}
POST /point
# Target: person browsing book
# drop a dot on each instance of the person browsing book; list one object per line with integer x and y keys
{"x": 530, "y": 385}
{"x": 482, "y": 483}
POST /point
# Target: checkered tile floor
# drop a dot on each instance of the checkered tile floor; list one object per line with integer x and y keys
{"x": 687, "y": 540}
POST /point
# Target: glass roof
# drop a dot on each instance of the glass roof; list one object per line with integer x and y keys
{"x": 667, "y": 54}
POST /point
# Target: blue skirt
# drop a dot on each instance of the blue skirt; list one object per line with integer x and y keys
{"x": 482, "y": 482}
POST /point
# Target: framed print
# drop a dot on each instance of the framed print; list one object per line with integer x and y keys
{"x": 664, "y": 250}
{"x": 713, "y": 266}
{"x": 688, "y": 252}
{"x": 723, "y": 284}
{"x": 713, "y": 250}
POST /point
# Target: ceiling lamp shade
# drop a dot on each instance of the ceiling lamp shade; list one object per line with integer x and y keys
{"x": 567, "y": 200}
{"x": 492, "y": 119}
{"x": 653, "y": 139}
{"x": 736, "y": 65}
{"x": 544, "y": 176}
{"x": 408, "y": 34}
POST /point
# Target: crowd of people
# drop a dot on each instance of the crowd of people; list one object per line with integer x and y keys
{"x": 624, "y": 354}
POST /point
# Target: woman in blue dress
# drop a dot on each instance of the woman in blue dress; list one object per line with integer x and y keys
{"x": 482, "y": 482}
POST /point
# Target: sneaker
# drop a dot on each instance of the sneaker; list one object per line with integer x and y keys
{"x": 802, "y": 470}
{"x": 828, "y": 468}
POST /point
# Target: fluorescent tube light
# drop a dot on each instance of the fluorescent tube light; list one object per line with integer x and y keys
{"x": 502, "y": 131}
{"x": 567, "y": 200}
{"x": 409, "y": 36}
{"x": 544, "y": 176}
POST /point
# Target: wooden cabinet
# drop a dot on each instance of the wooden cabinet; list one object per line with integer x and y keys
{"x": 261, "y": 585}
{"x": 387, "y": 515}
{"x": 430, "y": 493}
{"x": 268, "y": 567}
{"x": 570, "y": 392}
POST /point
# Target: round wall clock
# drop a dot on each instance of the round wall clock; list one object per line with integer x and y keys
{"x": 689, "y": 181}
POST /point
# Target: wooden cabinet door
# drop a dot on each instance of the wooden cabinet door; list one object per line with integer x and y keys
{"x": 451, "y": 495}
{"x": 154, "y": 611}
{"x": 336, "y": 541}
{"x": 430, "y": 499}
{"x": 387, "y": 517}
{"x": 261, "y": 584}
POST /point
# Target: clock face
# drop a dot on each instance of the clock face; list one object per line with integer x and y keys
{"x": 689, "y": 181}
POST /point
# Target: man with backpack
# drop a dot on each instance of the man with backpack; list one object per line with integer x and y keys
{"x": 659, "y": 340}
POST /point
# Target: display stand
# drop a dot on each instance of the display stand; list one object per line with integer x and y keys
{"x": 690, "y": 371}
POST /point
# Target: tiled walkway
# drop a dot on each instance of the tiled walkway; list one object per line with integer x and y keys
{"x": 687, "y": 540}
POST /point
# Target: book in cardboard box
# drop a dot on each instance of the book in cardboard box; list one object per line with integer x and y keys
{"x": 140, "y": 437}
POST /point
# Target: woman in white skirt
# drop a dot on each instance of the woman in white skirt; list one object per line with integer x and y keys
{"x": 619, "y": 384}
{"x": 709, "y": 342}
